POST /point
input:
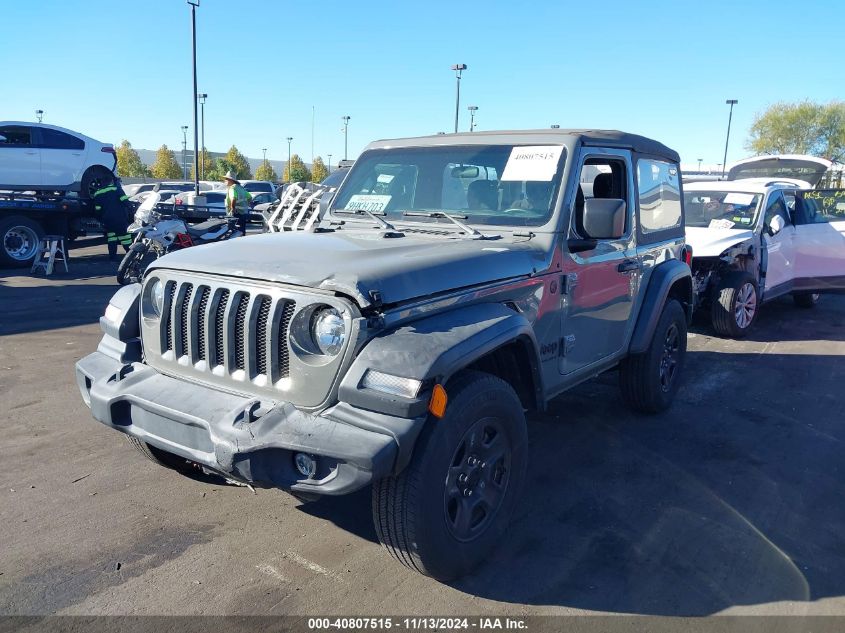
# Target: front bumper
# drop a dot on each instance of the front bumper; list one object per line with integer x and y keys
{"x": 246, "y": 439}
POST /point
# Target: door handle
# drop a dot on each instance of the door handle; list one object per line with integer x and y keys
{"x": 629, "y": 265}
{"x": 30, "y": 153}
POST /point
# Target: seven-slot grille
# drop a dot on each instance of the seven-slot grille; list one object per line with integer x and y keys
{"x": 230, "y": 329}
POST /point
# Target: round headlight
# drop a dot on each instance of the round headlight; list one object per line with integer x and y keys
{"x": 329, "y": 331}
{"x": 157, "y": 297}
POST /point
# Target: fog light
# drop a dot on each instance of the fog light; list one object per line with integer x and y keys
{"x": 305, "y": 464}
{"x": 387, "y": 383}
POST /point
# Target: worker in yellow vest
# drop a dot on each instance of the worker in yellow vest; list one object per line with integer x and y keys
{"x": 237, "y": 200}
{"x": 110, "y": 205}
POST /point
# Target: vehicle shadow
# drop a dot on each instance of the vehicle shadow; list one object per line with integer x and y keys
{"x": 733, "y": 497}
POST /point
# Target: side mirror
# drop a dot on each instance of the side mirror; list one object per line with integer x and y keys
{"x": 776, "y": 225}
{"x": 604, "y": 218}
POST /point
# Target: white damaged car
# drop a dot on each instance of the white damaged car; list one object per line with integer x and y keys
{"x": 756, "y": 239}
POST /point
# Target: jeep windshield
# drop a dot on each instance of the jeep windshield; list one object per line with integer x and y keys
{"x": 721, "y": 209}
{"x": 503, "y": 185}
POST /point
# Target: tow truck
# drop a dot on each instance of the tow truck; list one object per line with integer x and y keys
{"x": 26, "y": 216}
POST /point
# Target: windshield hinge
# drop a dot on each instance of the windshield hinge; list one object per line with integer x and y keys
{"x": 375, "y": 298}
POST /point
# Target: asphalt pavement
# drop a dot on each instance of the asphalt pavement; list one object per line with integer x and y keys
{"x": 731, "y": 502}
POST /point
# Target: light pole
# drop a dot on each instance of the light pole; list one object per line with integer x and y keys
{"x": 194, "y": 4}
{"x": 40, "y": 115}
{"x": 290, "y": 177}
{"x": 699, "y": 164}
{"x": 202, "y": 97}
{"x": 732, "y": 103}
{"x": 472, "y": 110}
{"x": 345, "y": 135}
{"x": 458, "y": 68}
{"x": 330, "y": 163}
{"x": 185, "y": 150}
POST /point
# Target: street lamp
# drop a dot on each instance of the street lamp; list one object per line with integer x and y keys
{"x": 194, "y": 4}
{"x": 732, "y": 103}
{"x": 202, "y": 97}
{"x": 699, "y": 164}
{"x": 40, "y": 115}
{"x": 290, "y": 177}
{"x": 185, "y": 150}
{"x": 345, "y": 135}
{"x": 472, "y": 110}
{"x": 458, "y": 68}
{"x": 330, "y": 163}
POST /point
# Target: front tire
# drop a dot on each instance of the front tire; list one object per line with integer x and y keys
{"x": 650, "y": 380}
{"x": 735, "y": 304}
{"x": 447, "y": 510}
{"x": 806, "y": 299}
{"x": 134, "y": 263}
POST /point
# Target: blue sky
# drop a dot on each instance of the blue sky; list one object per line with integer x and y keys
{"x": 119, "y": 69}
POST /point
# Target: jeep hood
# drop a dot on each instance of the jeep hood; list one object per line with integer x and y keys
{"x": 358, "y": 263}
{"x": 708, "y": 242}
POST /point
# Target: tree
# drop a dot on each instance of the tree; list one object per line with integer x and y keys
{"x": 129, "y": 162}
{"x": 800, "y": 128}
{"x": 209, "y": 165}
{"x": 265, "y": 171}
{"x": 296, "y": 170}
{"x": 319, "y": 170}
{"x": 165, "y": 165}
{"x": 238, "y": 163}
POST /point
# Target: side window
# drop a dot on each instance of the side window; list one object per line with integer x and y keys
{"x": 15, "y": 136}
{"x": 776, "y": 206}
{"x": 821, "y": 207}
{"x": 602, "y": 178}
{"x": 659, "y": 196}
{"x": 53, "y": 139}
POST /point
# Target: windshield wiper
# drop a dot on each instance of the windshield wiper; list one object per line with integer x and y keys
{"x": 382, "y": 222}
{"x": 456, "y": 219}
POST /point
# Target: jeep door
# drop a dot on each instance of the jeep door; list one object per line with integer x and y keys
{"x": 20, "y": 158}
{"x": 599, "y": 283}
{"x": 820, "y": 240}
{"x": 780, "y": 270}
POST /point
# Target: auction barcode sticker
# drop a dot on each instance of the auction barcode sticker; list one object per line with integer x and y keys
{"x": 533, "y": 162}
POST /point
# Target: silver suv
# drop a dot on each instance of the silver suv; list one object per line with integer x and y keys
{"x": 454, "y": 283}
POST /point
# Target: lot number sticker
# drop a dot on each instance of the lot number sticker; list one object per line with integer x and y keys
{"x": 368, "y": 202}
{"x": 720, "y": 224}
{"x": 535, "y": 162}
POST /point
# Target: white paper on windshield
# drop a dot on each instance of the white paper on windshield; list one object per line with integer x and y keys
{"x": 739, "y": 198}
{"x": 535, "y": 162}
{"x": 720, "y": 224}
{"x": 368, "y": 202}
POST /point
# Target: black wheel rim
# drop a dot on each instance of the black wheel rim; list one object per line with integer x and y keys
{"x": 669, "y": 357}
{"x": 477, "y": 479}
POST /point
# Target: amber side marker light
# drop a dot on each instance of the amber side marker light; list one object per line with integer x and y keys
{"x": 437, "y": 404}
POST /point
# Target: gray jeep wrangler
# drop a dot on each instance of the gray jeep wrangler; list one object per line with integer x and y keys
{"x": 454, "y": 283}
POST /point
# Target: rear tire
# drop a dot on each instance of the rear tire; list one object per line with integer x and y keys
{"x": 650, "y": 380}
{"x": 94, "y": 178}
{"x": 19, "y": 240}
{"x": 806, "y": 299}
{"x": 447, "y": 510}
{"x": 735, "y": 304}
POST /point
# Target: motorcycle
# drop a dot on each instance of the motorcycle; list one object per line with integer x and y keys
{"x": 157, "y": 234}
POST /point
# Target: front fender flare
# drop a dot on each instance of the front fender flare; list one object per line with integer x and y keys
{"x": 431, "y": 350}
